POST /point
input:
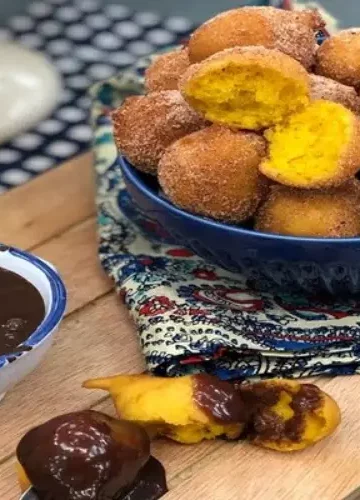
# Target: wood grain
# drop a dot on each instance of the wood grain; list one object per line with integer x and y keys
{"x": 97, "y": 341}
{"x": 242, "y": 471}
{"x": 48, "y": 205}
{"x": 74, "y": 253}
{"x": 53, "y": 216}
{"x": 8, "y": 482}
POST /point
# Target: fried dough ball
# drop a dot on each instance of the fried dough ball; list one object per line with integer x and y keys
{"x": 288, "y": 31}
{"x": 82, "y": 452}
{"x": 165, "y": 71}
{"x": 247, "y": 87}
{"x": 289, "y": 416}
{"x": 339, "y": 57}
{"x": 186, "y": 409}
{"x": 315, "y": 148}
{"x": 214, "y": 173}
{"x": 330, "y": 90}
{"x": 318, "y": 214}
{"x": 144, "y": 126}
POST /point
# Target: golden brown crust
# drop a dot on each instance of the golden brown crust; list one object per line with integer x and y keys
{"x": 339, "y": 57}
{"x": 165, "y": 71}
{"x": 295, "y": 34}
{"x": 290, "y": 32}
{"x": 311, "y": 18}
{"x": 237, "y": 27}
{"x": 214, "y": 172}
{"x": 330, "y": 90}
{"x": 295, "y": 212}
{"x": 144, "y": 126}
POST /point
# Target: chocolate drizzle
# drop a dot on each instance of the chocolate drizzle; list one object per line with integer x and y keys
{"x": 219, "y": 399}
{"x": 308, "y": 398}
{"x": 259, "y": 396}
{"x": 266, "y": 424}
{"x": 254, "y": 404}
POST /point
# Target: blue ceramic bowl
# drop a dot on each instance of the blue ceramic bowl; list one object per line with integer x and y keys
{"x": 269, "y": 261}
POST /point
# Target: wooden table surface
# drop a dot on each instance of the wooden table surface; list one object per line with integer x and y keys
{"x": 53, "y": 216}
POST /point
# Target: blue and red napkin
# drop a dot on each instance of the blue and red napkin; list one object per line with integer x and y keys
{"x": 192, "y": 316}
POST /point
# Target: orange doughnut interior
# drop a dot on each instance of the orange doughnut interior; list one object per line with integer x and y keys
{"x": 23, "y": 480}
{"x": 305, "y": 151}
{"x": 244, "y": 95}
{"x": 164, "y": 407}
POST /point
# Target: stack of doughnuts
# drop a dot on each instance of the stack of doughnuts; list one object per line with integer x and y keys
{"x": 251, "y": 120}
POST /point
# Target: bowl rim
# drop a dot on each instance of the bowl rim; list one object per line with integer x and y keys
{"x": 29, "y": 494}
{"x": 133, "y": 175}
{"x": 57, "y": 308}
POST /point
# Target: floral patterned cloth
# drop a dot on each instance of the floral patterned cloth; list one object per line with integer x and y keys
{"x": 192, "y": 316}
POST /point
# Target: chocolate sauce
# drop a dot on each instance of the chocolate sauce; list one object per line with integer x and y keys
{"x": 308, "y": 398}
{"x": 295, "y": 427}
{"x": 259, "y": 396}
{"x": 83, "y": 456}
{"x": 266, "y": 424}
{"x": 219, "y": 399}
{"x": 150, "y": 483}
{"x": 21, "y": 312}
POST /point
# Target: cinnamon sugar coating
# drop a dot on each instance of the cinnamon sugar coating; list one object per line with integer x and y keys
{"x": 330, "y": 90}
{"x": 214, "y": 173}
{"x": 339, "y": 57}
{"x": 288, "y": 31}
{"x": 144, "y": 126}
{"x": 166, "y": 70}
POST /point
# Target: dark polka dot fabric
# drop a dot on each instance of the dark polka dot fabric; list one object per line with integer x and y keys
{"x": 87, "y": 42}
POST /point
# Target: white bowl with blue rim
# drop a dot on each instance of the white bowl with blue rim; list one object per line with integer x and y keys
{"x": 17, "y": 365}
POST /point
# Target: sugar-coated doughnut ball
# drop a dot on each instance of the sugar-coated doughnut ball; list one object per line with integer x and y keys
{"x": 290, "y": 32}
{"x": 320, "y": 214}
{"x": 214, "y": 173}
{"x": 331, "y": 90}
{"x": 247, "y": 87}
{"x": 144, "y": 126}
{"x": 166, "y": 70}
{"x": 339, "y": 57}
{"x": 315, "y": 148}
